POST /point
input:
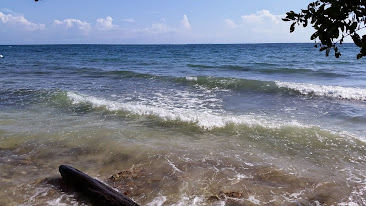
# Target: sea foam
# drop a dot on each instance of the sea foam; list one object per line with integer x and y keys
{"x": 326, "y": 91}
{"x": 189, "y": 78}
{"x": 205, "y": 119}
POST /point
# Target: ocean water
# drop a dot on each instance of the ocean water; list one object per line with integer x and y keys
{"x": 245, "y": 124}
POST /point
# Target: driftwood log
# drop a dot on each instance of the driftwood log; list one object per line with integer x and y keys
{"x": 100, "y": 193}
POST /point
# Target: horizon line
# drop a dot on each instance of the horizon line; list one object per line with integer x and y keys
{"x": 148, "y": 44}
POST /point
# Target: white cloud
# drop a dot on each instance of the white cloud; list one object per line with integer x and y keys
{"x": 185, "y": 23}
{"x": 263, "y": 26}
{"x": 20, "y": 20}
{"x": 230, "y": 23}
{"x": 74, "y": 23}
{"x": 105, "y": 24}
{"x": 130, "y": 20}
{"x": 261, "y": 17}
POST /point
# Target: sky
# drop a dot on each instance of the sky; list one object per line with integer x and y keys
{"x": 149, "y": 21}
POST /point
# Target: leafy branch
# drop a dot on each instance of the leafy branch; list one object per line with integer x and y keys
{"x": 333, "y": 20}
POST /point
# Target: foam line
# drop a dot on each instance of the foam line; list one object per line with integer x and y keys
{"x": 203, "y": 119}
{"x": 326, "y": 91}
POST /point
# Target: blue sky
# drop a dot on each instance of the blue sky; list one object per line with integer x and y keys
{"x": 148, "y": 21}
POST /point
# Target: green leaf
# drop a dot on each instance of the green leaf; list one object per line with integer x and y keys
{"x": 353, "y": 26}
{"x": 364, "y": 39}
{"x": 323, "y": 48}
{"x": 314, "y": 36}
{"x": 292, "y": 27}
{"x": 332, "y": 20}
{"x": 327, "y": 52}
{"x": 305, "y": 23}
{"x": 362, "y": 52}
{"x": 356, "y": 39}
{"x": 290, "y": 15}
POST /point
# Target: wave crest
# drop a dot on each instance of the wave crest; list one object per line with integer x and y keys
{"x": 337, "y": 92}
{"x": 203, "y": 119}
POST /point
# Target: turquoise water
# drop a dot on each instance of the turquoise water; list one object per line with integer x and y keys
{"x": 255, "y": 124}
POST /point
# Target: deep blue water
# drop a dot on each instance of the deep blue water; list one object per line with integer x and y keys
{"x": 243, "y": 79}
{"x": 285, "y": 98}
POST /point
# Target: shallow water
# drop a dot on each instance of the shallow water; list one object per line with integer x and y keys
{"x": 185, "y": 124}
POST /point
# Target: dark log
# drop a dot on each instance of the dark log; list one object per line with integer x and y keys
{"x": 100, "y": 193}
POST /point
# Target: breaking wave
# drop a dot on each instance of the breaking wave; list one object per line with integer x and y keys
{"x": 234, "y": 84}
{"x": 337, "y": 92}
{"x": 203, "y": 119}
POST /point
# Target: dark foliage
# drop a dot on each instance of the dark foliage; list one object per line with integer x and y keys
{"x": 333, "y": 20}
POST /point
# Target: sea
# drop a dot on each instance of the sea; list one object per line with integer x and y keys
{"x": 238, "y": 124}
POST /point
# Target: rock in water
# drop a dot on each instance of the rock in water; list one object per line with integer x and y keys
{"x": 96, "y": 190}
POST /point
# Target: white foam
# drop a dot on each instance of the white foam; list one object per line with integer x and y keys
{"x": 175, "y": 168}
{"x": 41, "y": 192}
{"x": 220, "y": 203}
{"x": 191, "y": 78}
{"x": 351, "y": 93}
{"x": 203, "y": 118}
{"x": 348, "y": 204}
{"x": 238, "y": 178}
{"x": 196, "y": 201}
{"x": 158, "y": 201}
{"x": 253, "y": 200}
{"x": 57, "y": 202}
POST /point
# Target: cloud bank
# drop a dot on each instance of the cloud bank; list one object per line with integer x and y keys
{"x": 262, "y": 17}
{"x": 259, "y": 27}
{"x": 263, "y": 26}
{"x": 185, "y": 23}
{"x": 105, "y": 24}
{"x": 20, "y": 22}
{"x": 83, "y": 26}
{"x": 259, "y": 19}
